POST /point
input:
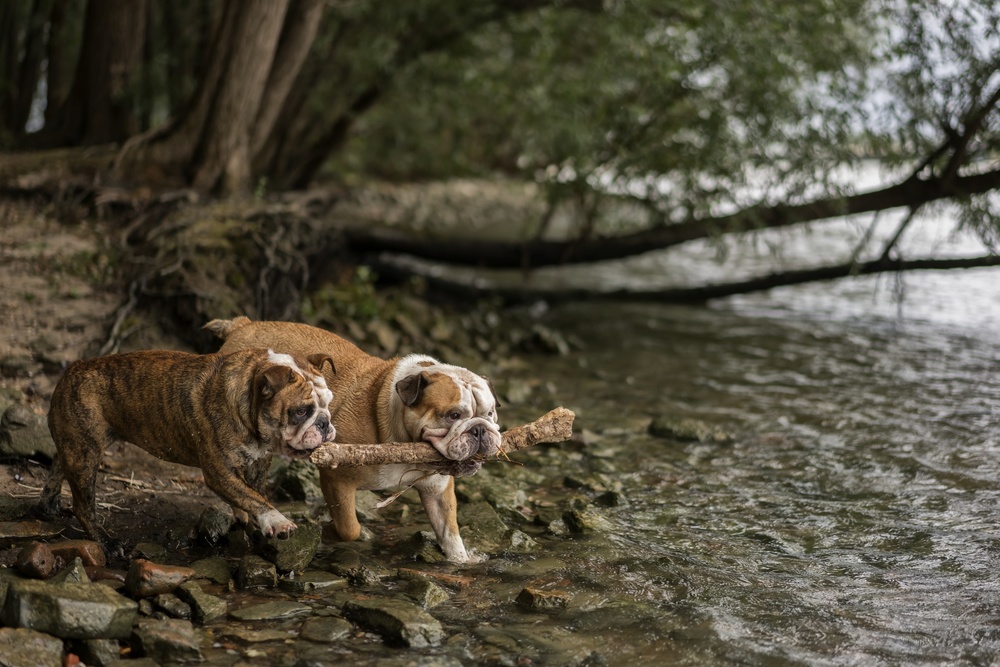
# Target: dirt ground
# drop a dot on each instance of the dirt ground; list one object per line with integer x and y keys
{"x": 56, "y": 305}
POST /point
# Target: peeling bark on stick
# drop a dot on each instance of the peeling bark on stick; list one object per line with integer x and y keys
{"x": 553, "y": 426}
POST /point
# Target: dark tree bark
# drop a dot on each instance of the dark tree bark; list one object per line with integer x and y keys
{"x": 98, "y": 108}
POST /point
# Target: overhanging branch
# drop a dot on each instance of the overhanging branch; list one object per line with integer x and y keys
{"x": 912, "y": 192}
{"x": 702, "y": 293}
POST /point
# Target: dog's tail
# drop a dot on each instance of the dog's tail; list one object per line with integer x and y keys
{"x": 224, "y": 328}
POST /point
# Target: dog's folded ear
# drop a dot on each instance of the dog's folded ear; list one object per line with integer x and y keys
{"x": 410, "y": 388}
{"x": 273, "y": 379}
{"x": 496, "y": 399}
{"x": 317, "y": 360}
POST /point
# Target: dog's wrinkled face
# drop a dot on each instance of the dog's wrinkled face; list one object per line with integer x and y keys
{"x": 294, "y": 403}
{"x": 450, "y": 407}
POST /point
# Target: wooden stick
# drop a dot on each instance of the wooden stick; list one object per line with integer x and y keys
{"x": 553, "y": 426}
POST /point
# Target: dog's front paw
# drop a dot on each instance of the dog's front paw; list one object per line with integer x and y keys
{"x": 273, "y": 523}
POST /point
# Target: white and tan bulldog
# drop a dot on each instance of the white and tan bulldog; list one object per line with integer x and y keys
{"x": 405, "y": 399}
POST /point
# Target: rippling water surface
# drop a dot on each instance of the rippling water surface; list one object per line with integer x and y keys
{"x": 854, "y": 518}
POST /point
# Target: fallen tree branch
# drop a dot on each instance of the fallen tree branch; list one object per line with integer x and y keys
{"x": 554, "y": 426}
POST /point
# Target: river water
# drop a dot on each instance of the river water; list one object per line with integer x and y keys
{"x": 852, "y": 520}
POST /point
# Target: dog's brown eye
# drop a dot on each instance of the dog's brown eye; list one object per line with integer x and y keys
{"x": 454, "y": 416}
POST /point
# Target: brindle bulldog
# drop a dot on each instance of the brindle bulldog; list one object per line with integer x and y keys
{"x": 224, "y": 413}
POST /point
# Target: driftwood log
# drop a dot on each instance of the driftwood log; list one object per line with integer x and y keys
{"x": 553, "y": 426}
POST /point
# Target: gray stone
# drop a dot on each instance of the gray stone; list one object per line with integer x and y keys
{"x": 7, "y": 575}
{"x": 215, "y": 569}
{"x": 167, "y": 641}
{"x": 20, "y": 647}
{"x": 584, "y": 521}
{"x": 325, "y": 630}
{"x": 13, "y": 533}
{"x": 173, "y": 606}
{"x": 311, "y": 580}
{"x": 205, "y": 608}
{"x": 99, "y": 652}
{"x": 270, "y": 611}
{"x": 297, "y": 551}
{"x": 257, "y": 635}
{"x": 151, "y": 551}
{"x": 482, "y": 526}
{"x": 533, "y": 599}
{"x": 297, "y": 479}
{"x": 426, "y": 593}
{"x": 213, "y": 525}
{"x": 69, "y": 610}
{"x": 25, "y": 433}
{"x": 75, "y": 573}
{"x": 255, "y": 572}
{"x": 520, "y": 542}
{"x": 685, "y": 429}
{"x": 398, "y": 621}
{"x": 423, "y": 546}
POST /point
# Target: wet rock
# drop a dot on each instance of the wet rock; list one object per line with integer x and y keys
{"x": 455, "y": 581}
{"x": 107, "y": 576}
{"x": 151, "y": 551}
{"x": 685, "y": 429}
{"x": 21, "y": 647}
{"x": 69, "y": 610}
{"x": 257, "y": 635}
{"x": 609, "y": 499}
{"x": 296, "y": 552}
{"x": 88, "y": 551}
{"x": 18, "y": 532}
{"x": 297, "y": 479}
{"x": 75, "y": 573}
{"x": 239, "y": 541}
{"x": 7, "y": 575}
{"x": 255, "y": 572}
{"x": 167, "y": 641}
{"x": 35, "y": 560}
{"x": 215, "y": 569}
{"x": 146, "y": 607}
{"x": 25, "y": 433}
{"x": 425, "y": 593}
{"x": 311, "y": 580}
{"x": 521, "y": 543}
{"x": 482, "y": 527}
{"x": 423, "y": 547}
{"x": 213, "y": 525}
{"x": 270, "y": 611}
{"x": 325, "y": 630}
{"x": 99, "y": 652}
{"x": 534, "y": 599}
{"x": 398, "y": 621}
{"x": 205, "y": 608}
{"x": 173, "y": 606}
{"x": 146, "y": 579}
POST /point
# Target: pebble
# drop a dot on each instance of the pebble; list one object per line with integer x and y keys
{"x": 69, "y": 610}
{"x": 205, "y": 608}
{"x": 270, "y": 611}
{"x": 21, "y": 647}
{"x": 255, "y": 572}
{"x": 170, "y": 640}
{"x": 400, "y": 622}
{"x": 88, "y": 551}
{"x": 147, "y": 579}
{"x": 35, "y": 560}
{"x": 533, "y": 599}
{"x": 325, "y": 630}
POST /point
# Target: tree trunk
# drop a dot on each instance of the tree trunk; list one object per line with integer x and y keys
{"x": 210, "y": 146}
{"x": 58, "y": 76}
{"x": 98, "y": 109}
{"x": 297, "y": 37}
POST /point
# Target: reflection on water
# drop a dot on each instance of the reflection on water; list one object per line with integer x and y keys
{"x": 853, "y": 520}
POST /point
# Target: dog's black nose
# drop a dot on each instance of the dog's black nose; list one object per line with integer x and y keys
{"x": 478, "y": 432}
{"x": 323, "y": 424}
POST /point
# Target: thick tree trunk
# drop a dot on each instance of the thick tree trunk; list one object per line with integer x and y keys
{"x": 98, "y": 109}
{"x": 210, "y": 146}
{"x": 299, "y": 32}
